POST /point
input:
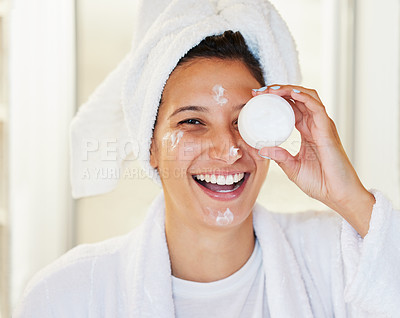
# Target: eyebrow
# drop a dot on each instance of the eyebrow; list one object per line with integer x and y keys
{"x": 198, "y": 109}
{"x": 189, "y": 108}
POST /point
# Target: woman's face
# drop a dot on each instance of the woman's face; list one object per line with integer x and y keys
{"x": 210, "y": 176}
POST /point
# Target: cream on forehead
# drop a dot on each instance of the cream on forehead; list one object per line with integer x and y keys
{"x": 218, "y": 91}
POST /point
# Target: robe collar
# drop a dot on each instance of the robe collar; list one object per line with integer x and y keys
{"x": 149, "y": 268}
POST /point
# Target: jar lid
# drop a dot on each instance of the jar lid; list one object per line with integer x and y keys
{"x": 266, "y": 121}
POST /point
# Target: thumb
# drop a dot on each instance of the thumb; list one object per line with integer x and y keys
{"x": 282, "y": 157}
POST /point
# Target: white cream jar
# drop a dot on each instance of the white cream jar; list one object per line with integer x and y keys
{"x": 266, "y": 121}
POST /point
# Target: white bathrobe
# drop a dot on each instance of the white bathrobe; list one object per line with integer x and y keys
{"x": 316, "y": 265}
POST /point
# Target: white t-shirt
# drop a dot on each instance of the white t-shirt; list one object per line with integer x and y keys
{"x": 240, "y": 295}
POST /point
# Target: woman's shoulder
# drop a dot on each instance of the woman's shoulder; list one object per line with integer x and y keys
{"x": 73, "y": 277}
{"x": 85, "y": 255}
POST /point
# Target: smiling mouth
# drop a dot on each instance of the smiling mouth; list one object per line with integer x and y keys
{"x": 221, "y": 183}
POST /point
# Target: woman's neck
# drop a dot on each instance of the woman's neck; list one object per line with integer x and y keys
{"x": 207, "y": 254}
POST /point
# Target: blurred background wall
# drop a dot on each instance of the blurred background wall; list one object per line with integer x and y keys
{"x": 54, "y": 54}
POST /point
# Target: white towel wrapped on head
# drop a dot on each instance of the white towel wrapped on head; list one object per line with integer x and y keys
{"x": 122, "y": 111}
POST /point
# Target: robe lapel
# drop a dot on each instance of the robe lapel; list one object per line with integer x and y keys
{"x": 149, "y": 269}
{"x": 286, "y": 292}
{"x": 151, "y": 292}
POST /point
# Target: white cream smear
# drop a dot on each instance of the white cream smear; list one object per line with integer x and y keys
{"x": 174, "y": 138}
{"x": 219, "y": 218}
{"x": 219, "y": 95}
{"x": 225, "y": 218}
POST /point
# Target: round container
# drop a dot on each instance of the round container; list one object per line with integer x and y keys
{"x": 266, "y": 121}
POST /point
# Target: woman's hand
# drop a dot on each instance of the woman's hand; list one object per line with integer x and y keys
{"x": 321, "y": 168}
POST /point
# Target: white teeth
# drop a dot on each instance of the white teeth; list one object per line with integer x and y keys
{"x": 229, "y": 179}
{"x": 220, "y": 179}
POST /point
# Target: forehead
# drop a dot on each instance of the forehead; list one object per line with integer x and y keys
{"x": 194, "y": 81}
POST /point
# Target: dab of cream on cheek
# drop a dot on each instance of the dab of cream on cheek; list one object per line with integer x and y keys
{"x": 174, "y": 138}
{"x": 219, "y": 91}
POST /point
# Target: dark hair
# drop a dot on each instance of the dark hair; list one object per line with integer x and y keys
{"x": 227, "y": 46}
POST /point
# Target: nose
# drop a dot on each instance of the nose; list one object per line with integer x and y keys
{"x": 224, "y": 146}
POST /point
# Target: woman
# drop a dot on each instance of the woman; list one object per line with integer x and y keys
{"x": 206, "y": 249}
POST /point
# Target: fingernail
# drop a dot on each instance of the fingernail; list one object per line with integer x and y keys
{"x": 265, "y": 157}
{"x": 296, "y": 90}
{"x": 275, "y": 87}
{"x": 260, "y": 89}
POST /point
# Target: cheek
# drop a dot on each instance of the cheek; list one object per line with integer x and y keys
{"x": 262, "y": 169}
{"x": 190, "y": 148}
{"x": 180, "y": 146}
{"x": 262, "y": 164}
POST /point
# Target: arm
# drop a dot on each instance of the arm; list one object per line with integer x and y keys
{"x": 370, "y": 236}
{"x": 371, "y": 265}
{"x": 321, "y": 168}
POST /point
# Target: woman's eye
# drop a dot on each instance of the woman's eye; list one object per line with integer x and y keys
{"x": 191, "y": 121}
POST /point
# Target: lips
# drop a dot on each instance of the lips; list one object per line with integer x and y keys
{"x": 222, "y": 187}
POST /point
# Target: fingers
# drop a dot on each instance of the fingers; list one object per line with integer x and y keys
{"x": 312, "y": 121}
{"x": 306, "y": 100}
{"x": 299, "y": 109}
{"x": 283, "y": 158}
{"x": 287, "y": 89}
{"x": 298, "y": 114}
{"x": 277, "y": 154}
{"x": 312, "y": 104}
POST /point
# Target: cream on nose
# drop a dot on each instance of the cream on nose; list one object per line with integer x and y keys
{"x": 225, "y": 149}
{"x": 235, "y": 152}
